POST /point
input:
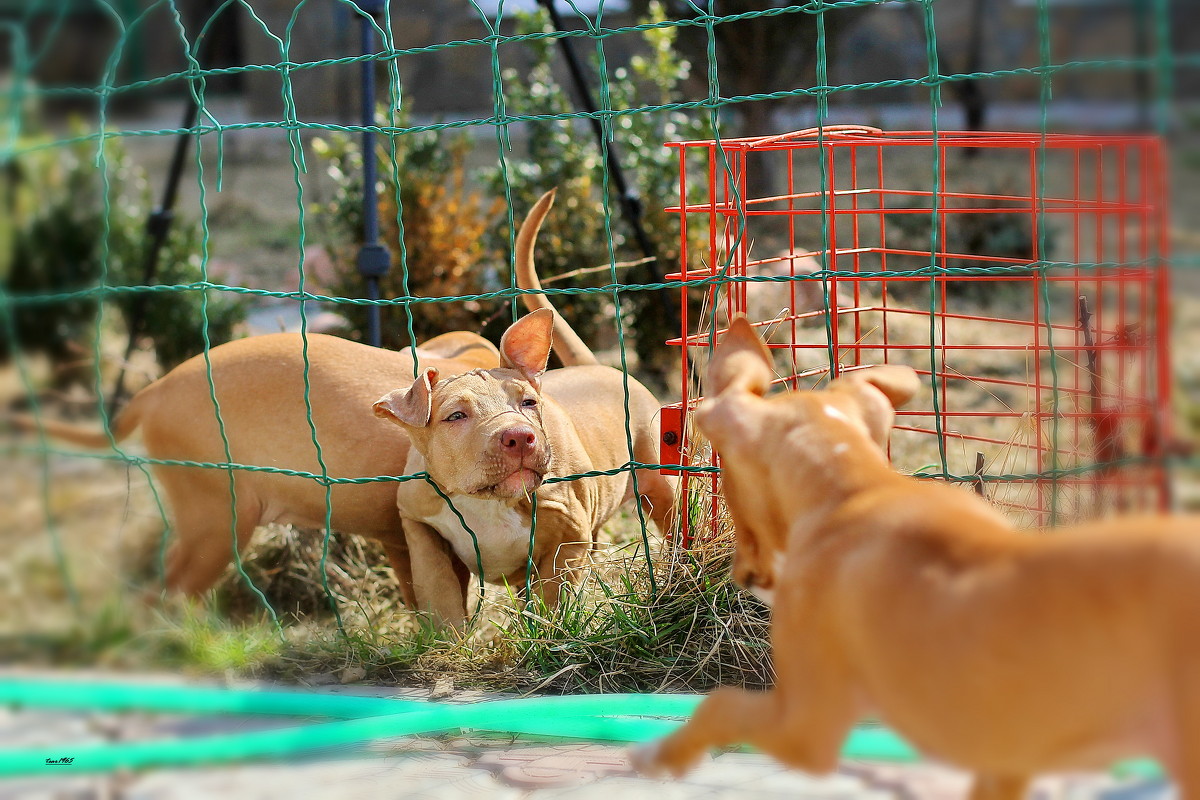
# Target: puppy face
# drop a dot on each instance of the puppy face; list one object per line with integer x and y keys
{"x": 481, "y": 432}
{"x": 781, "y": 455}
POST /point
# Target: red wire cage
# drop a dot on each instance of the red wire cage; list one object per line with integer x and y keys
{"x": 1022, "y": 275}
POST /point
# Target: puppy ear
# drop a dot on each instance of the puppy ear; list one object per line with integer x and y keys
{"x": 897, "y": 383}
{"x": 525, "y": 346}
{"x": 412, "y": 406}
{"x": 741, "y": 361}
{"x": 879, "y": 391}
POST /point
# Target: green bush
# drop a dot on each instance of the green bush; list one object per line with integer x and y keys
{"x": 446, "y": 250}
{"x": 455, "y": 241}
{"x": 63, "y": 237}
{"x": 565, "y": 154}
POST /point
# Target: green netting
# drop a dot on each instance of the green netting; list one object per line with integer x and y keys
{"x": 29, "y": 35}
{"x": 28, "y": 32}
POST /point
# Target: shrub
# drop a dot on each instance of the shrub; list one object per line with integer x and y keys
{"x": 64, "y": 237}
{"x": 564, "y": 154}
{"x": 446, "y": 250}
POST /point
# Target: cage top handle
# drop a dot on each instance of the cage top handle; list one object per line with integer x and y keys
{"x": 826, "y": 130}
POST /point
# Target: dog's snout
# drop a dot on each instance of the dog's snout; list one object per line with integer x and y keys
{"x": 743, "y": 577}
{"x": 518, "y": 439}
{"x": 749, "y": 577}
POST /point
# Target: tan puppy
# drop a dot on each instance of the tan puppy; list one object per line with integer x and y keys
{"x": 1004, "y": 652}
{"x": 490, "y": 439}
{"x": 260, "y": 388}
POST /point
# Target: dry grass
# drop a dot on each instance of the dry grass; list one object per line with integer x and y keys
{"x": 687, "y": 629}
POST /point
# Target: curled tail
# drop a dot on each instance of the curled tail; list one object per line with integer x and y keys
{"x": 82, "y": 435}
{"x": 570, "y": 348}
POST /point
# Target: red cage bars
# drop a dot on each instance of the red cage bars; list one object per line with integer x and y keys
{"x": 1020, "y": 274}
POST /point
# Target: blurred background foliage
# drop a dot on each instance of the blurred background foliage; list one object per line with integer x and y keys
{"x": 76, "y": 216}
{"x": 457, "y": 243}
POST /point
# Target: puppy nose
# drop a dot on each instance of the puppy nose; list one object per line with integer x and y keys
{"x": 518, "y": 439}
{"x": 748, "y": 578}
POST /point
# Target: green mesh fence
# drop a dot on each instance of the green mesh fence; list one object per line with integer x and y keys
{"x": 32, "y": 33}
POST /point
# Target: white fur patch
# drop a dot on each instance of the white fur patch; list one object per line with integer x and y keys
{"x": 838, "y": 449}
{"x": 766, "y": 595}
{"x": 836, "y": 414}
{"x": 502, "y": 531}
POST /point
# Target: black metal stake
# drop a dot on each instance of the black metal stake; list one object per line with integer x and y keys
{"x": 158, "y": 227}
{"x": 631, "y": 203}
{"x": 374, "y": 261}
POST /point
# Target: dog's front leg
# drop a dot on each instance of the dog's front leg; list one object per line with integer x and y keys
{"x": 807, "y": 738}
{"x": 999, "y": 787}
{"x": 396, "y": 551}
{"x": 554, "y": 570}
{"x": 439, "y": 579}
{"x": 727, "y": 716}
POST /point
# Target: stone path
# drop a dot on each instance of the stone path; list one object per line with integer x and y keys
{"x": 491, "y": 766}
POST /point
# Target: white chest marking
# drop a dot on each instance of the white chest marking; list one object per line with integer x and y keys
{"x": 502, "y": 533}
{"x": 768, "y": 595}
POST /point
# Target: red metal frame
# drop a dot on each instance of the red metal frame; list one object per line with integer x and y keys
{"x": 1090, "y": 209}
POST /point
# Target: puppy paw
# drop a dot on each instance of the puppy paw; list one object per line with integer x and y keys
{"x": 645, "y": 759}
{"x": 656, "y": 759}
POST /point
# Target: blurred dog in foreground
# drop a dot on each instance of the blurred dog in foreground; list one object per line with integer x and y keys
{"x": 1002, "y": 652}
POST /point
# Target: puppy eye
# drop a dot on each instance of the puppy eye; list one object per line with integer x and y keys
{"x": 455, "y": 417}
{"x": 529, "y": 402}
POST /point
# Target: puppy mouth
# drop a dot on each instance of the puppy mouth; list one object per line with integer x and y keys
{"x": 519, "y": 483}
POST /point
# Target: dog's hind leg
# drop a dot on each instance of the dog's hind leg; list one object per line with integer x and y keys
{"x": 658, "y": 493}
{"x": 204, "y": 548}
{"x": 203, "y": 523}
{"x": 1187, "y": 777}
{"x": 658, "y": 498}
{"x": 999, "y": 787}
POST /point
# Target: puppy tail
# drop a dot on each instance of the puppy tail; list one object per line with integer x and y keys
{"x": 81, "y": 435}
{"x": 570, "y": 348}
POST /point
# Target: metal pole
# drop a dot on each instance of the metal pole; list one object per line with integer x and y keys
{"x": 374, "y": 261}
{"x": 158, "y": 226}
{"x": 631, "y": 203}
{"x": 1141, "y": 51}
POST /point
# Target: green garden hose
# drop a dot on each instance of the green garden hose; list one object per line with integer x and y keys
{"x": 616, "y": 717}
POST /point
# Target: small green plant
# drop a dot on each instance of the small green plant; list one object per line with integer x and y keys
{"x": 210, "y": 643}
{"x": 693, "y": 630}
